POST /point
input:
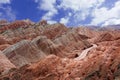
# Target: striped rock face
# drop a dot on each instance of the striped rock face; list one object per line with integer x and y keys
{"x": 23, "y": 52}
{"x": 5, "y": 63}
{"x": 100, "y": 64}
{"x": 42, "y": 51}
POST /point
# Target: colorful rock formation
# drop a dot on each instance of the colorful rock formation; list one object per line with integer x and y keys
{"x": 101, "y": 64}
{"x": 23, "y": 52}
{"x": 42, "y": 51}
{"x": 5, "y": 64}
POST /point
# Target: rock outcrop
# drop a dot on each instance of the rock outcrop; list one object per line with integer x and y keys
{"x": 3, "y": 23}
{"x": 5, "y": 64}
{"x": 4, "y": 46}
{"x": 101, "y": 64}
{"x": 14, "y": 25}
{"x": 105, "y": 37}
{"x": 54, "y": 30}
{"x": 71, "y": 41}
{"x": 46, "y": 45}
{"x": 43, "y": 22}
{"x": 23, "y": 52}
{"x": 42, "y": 51}
{"x": 3, "y": 40}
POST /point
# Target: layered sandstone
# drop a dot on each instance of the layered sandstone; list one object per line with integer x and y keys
{"x": 42, "y": 51}
{"x": 5, "y": 64}
{"x": 101, "y": 64}
{"x": 23, "y": 52}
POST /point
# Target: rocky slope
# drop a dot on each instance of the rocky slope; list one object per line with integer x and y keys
{"x": 5, "y": 63}
{"x": 40, "y": 51}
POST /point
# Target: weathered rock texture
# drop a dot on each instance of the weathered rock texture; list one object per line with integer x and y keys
{"x": 40, "y": 51}
{"x": 101, "y": 64}
{"x": 5, "y": 64}
{"x": 23, "y": 52}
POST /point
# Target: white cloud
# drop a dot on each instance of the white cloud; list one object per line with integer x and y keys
{"x": 69, "y": 14}
{"x": 49, "y": 6}
{"x": 111, "y": 22}
{"x": 77, "y": 5}
{"x": 4, "y": 1}
{"x": 51, "y": 21}
{"x": 64, "y": 20}
{"x": 105, "y": 16}
{"x": 81, "y": 15}
{"x": 49, "y": 15}
{"x": 80, "y": 9}
{"x": 7, "y": 13}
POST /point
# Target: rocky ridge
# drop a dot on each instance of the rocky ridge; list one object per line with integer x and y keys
{"x": 53, "y": 52}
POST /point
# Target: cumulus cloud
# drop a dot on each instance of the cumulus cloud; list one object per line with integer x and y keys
{"x": 4, "y": 1}
{"x": 64, "y": 20}
{"x": 105, "y": 16}
{"x": 51, "y": 21}
{"x": 77, "y": 5}
{"x": 49, "y": 15}
{"x": 49, "y": 6}
{"x": 7, "y": 13}
{"x": 78, "y": 11}
{"x": 111, "y": 22}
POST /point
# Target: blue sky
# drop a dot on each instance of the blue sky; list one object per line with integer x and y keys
{"x": 68, "y": 12}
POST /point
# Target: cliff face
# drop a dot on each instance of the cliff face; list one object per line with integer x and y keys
{"x": 5, "y": 64}
{"x": 23, "y": 52}
{"x": 101, "y": 64}
{"x": 40, "y": 51}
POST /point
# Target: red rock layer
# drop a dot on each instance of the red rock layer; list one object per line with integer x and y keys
{"x": 5, "y": 64}
{"x": 101, "y": 64}
{"x": 41, "y": 51}
{"x": 23, "y": 53}
{"x": 3, "y": 22}
{"x": 14, "y": 25}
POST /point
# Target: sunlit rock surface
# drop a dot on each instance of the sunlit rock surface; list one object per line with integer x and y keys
{"x": 42, "y": 51}
{"x": 5, "y": 63}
